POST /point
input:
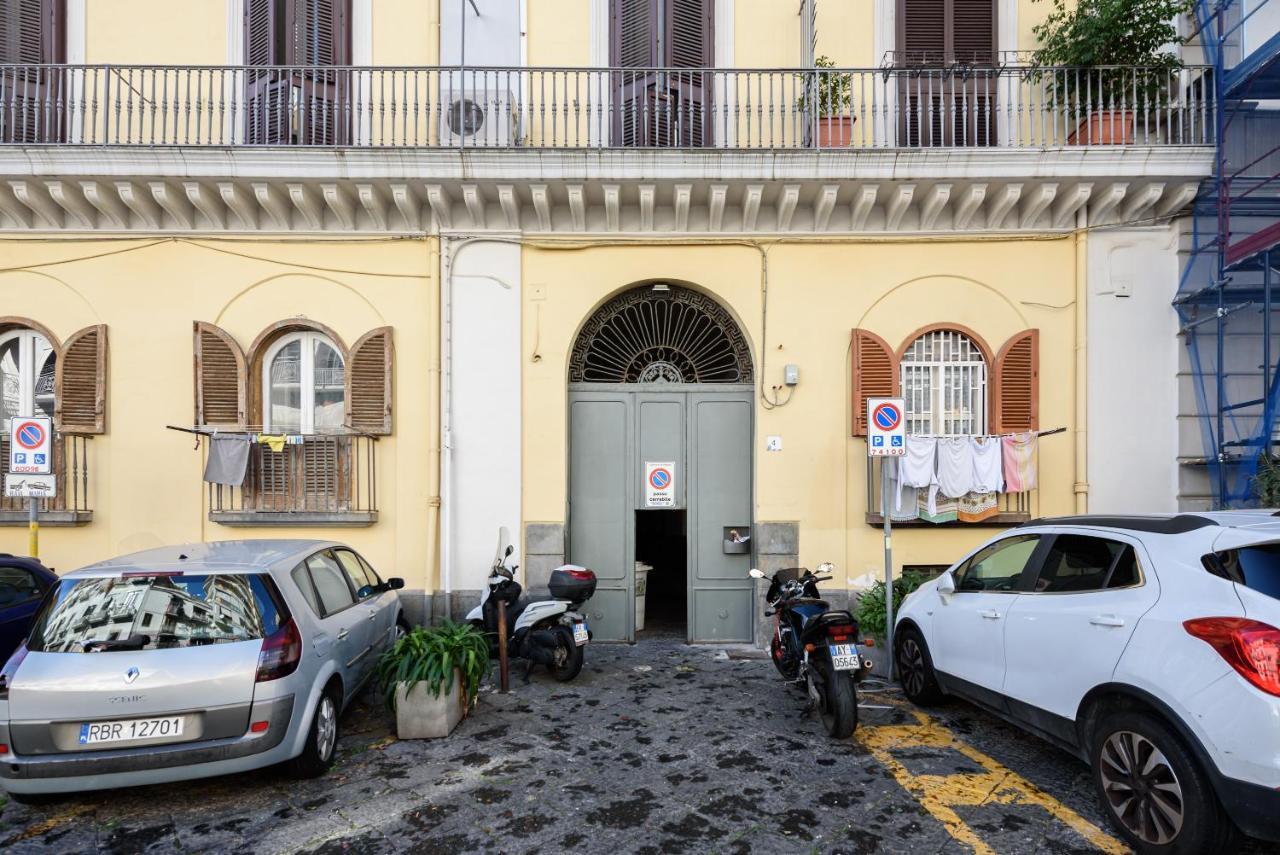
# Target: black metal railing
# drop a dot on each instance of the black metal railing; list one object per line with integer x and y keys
{"x": 904, "y": 105}
{"x": 1010, "y": 509}
{"x": 319, "y": 475}
{"x": 71, "y": 469}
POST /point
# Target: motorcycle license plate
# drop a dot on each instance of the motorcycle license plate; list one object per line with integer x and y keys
{"x": 580, "y": 633}
{"x": 844, "y": 657}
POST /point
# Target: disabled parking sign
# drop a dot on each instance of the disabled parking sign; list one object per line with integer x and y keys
{"x": 886, "y": 427}
{"x": 30, "y": 445}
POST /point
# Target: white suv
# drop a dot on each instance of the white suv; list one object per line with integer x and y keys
{"x": 1147, "y": 646}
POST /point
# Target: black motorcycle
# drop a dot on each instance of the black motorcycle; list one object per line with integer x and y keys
{"x": 817, "y": 645}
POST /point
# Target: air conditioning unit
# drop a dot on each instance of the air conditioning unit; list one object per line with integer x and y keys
{"x": 479, "y": 118}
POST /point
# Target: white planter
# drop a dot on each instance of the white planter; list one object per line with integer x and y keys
{"x": 422, "y": 715}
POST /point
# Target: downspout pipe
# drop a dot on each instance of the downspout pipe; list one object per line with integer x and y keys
{"x": 1081, "y": 486}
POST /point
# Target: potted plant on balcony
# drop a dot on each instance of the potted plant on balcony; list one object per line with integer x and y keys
{"x": 1105, "y": 60}
{"x": 830, "y": 92}
{"x": 430, "y": 678}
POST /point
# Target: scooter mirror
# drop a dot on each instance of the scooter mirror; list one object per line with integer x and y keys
{"x": 510, "y": 549}
{"x": 755, "y": 574}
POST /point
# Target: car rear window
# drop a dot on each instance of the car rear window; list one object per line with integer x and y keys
{"x": 156, "y": 611}
{"x": 1255, "y": 567}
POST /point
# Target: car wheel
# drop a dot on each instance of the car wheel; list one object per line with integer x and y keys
{"x": 402, "y": 629}
{"x": 915, "y": 668}
{"x": 322, "y": 738}
{"x": 1153, "y": 789}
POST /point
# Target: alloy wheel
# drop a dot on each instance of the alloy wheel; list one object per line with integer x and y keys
{"x": 911, "y": 666}
{"x": 1141, "y": 787}
{"x": 326, "y": 727}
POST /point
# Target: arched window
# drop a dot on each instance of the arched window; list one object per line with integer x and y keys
{"x": 303, "y": 385}
{"x": 27, "y": 363}
{"x": 944, "y": 382}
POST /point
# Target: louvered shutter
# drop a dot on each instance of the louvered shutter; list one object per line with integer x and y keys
{"x": 688, "y": 44}
{"x": 972, "y": 96}
{"x": 317, "y": 37}
{"x": 219, "y": 378}
{"x": 369, "y": 383}
{"x": 633, "y": 44}
{"x": 1015, "y": 404}
{"x": 32, "y": 34}
{"x": 947, "y": 107}
{"x": 875, "y": 375}
{"x": 80, "y": 382}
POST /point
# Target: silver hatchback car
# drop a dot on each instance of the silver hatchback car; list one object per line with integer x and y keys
{"x": 191, "y": 661}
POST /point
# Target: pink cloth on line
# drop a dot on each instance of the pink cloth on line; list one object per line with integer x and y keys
{"x": 1019, "y": 462}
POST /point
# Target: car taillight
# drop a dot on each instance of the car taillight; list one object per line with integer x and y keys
{"x": 10, "y": 670}
{"x": 281, "y": 653}
{"x": 1249, "y": 646}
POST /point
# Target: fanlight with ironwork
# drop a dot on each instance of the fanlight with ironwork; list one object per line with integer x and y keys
{"x": 661, "y": 335}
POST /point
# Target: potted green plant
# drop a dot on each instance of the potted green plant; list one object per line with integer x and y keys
{"x": 831, "y": 93}
{"x": 1103, "y": 60}
{"x": 431, "y": 676}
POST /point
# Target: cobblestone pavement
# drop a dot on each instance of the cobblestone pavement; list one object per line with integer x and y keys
{"x": 657, "y": 747}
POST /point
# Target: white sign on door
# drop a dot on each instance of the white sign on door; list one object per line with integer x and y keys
{"x": 659, "y": 485}
{"x": 30, "y": 486}
{"x": 886, "y": 427}
{"x": 31, "y": 445}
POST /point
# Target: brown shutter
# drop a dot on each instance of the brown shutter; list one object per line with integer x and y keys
{"x": 922, "y": 32}
{"x": 317, "y": 32}
{"x": 1015, "y": 404}
{"x": 260, "y": 32}
{"x": 369, "y": 383}
{"x": 32, "y": 34}
{"x": 875, "y": 375}
{"x": 633, "y": 33}
{"x": 973, "y": 31}
{"x": 80, "y": 382}
{"x": 219, "y": 377}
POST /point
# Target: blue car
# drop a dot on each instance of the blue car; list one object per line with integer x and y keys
{"x": 23, "y": 583}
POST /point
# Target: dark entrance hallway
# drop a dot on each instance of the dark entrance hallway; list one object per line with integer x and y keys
{"x": 661, "y": 544}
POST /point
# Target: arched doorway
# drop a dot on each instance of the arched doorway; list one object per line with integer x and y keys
{"x": 660, "y": 464}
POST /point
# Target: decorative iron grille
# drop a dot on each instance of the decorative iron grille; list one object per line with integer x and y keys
{"x": 649, "y": 335}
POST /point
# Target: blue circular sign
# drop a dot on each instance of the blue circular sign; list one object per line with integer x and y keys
{"x": 659, "y": 478}
{"x": 30, "y": 435}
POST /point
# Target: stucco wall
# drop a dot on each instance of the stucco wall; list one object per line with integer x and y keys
{"x": 817, "y": 293}
{"x": 145, "y": 481}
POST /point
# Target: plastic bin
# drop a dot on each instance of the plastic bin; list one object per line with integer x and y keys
{"x": 642, "y": 587}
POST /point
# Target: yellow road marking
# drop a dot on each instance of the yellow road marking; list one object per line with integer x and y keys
{"x": 941, "y": 794}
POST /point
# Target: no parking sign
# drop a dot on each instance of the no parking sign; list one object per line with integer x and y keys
{"x": 659, "y": 485}
{"x": 30, "y": 445}
{"x": 886, "y": 427}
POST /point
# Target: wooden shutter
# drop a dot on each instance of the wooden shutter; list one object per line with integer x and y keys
{"x": 80, "y": 382}
{"x": 317, "y": 32}
{"x": 1015, "y": 402}
{"x": 633, "y": 33}
{"x": 219, "y": 377}
{"x": 943, "y": 108}
{"x": 875, "y": 375}
{"x": 369, "y": 383}
{"x": 688, "y": 44}
{"x": 33, "y": 34}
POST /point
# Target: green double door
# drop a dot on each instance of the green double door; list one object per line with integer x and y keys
{"x": 616, "y": 434}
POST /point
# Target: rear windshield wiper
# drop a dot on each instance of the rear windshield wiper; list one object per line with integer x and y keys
{"x": 133, "y": 642}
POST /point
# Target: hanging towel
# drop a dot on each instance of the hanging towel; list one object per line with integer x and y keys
{"x": 988, "y": 464}
{"x": 918, "y": 467}
{"x": 293, "y": 439}
{"x": 976, "y": 507}
{"x": 955, "y": 466}
{"x": 903, "y": 508}
{"x": 274, "y": 441}
{"x": 937, "y": 509}
{"x": 228, "y": 459}
{"x": 1019, "y": 462}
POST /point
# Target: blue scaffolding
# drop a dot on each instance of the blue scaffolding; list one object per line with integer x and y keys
{"x": 1226, "y": 297}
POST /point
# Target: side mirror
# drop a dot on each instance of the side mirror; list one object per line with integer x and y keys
{"x": 510, "y": 549}
{"x": 395, "y": 583}
{"x": 825, "y": 567}
{"x": 946, "y": 583}
{"x": 755, "y": 574}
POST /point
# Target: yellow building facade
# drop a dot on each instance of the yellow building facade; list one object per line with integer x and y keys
{"x": 440, "y": 245}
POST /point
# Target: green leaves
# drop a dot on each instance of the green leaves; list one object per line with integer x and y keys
{"x": 430, "y": 655}
{"x": 871, "y": 604}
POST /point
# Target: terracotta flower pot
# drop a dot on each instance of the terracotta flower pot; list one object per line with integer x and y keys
{"x": 1104, "y": 127}
{"x": 835, "y": 131}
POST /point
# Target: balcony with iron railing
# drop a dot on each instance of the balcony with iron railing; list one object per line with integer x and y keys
{"x": 1010, "y": 508}
{"x": 917, "y": 106}
{"x": 324, "y": 479}
{"x": 71, "y": 505}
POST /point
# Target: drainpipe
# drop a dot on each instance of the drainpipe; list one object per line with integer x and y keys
{"x": 1081, "y": 487}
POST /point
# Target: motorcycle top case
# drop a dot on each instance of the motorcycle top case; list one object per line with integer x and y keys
{"x": 569, "y": 582}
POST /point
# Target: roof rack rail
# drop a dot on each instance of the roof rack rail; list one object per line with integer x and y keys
{"x": 1180, "y": 524}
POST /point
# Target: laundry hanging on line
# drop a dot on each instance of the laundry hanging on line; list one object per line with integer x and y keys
{"x": 228, "y": 458}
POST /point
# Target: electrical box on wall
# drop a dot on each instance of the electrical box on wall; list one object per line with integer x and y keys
{"x": 791, "y": 374}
